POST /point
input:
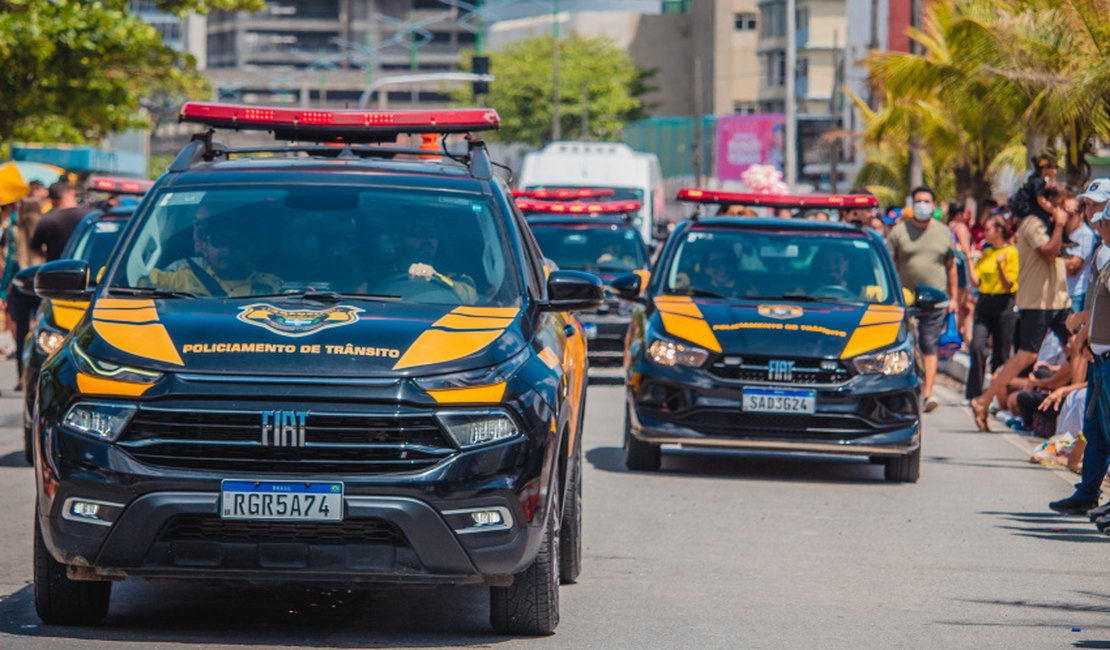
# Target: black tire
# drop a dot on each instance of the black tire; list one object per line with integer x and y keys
{"x": 639, "y": 456}
{"x": 530, "y": 606}
{"x": 28, "y": 428}
{"x": 903, "y": 469}
{"x": 61, "y": 601}
{"x": 570, "y": 532}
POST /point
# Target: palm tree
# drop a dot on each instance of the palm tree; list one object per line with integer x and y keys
{"x": 995, "y": 75}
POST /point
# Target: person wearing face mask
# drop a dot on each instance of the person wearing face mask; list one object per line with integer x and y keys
{"x": 1092, "y": 338}
{"x": 922, "y": 252}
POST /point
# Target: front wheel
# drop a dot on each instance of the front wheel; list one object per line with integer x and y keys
{"x": 61, "y": 601}
{"x": 639, "y": 456}
{"x": 903, "y": 469}
{"x": 570, "y": 532}
{"x": 530, "y": 605}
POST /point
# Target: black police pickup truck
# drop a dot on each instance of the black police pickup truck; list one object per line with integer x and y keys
{"x": 337, "y": 362}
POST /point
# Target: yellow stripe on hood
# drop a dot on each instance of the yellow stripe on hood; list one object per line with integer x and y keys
{"x": 682, "y": 318}
{"x": 455, "y": 336}
{"x": 878, "y": 327}
{"x": 132, "y": 326}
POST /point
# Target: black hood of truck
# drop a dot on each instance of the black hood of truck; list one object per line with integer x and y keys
{"x": 298, "y": 337}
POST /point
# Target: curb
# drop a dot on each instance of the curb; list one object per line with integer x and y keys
{"x": 957, "y": 367}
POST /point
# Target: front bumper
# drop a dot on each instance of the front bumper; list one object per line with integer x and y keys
{"x": 179, "y": 535}
{"x": 870, "y": 415}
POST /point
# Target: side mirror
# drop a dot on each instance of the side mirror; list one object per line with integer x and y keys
{"x": 927, "y": 298}
{"x": 573, "y": 291}
{"x": 63, "y": 280}
{"x": 24, "y": 281}
{"x": 628, "y": 287}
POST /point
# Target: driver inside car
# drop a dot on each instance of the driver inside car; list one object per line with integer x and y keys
{"x": 222, "y": 266}
{"x": 418, "y": 253}
{"x": 830, "y": 270}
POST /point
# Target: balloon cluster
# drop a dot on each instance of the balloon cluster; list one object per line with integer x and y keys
{"x": 764, "y": 179}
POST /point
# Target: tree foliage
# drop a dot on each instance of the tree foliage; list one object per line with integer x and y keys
{"x": 595, "y": 75}
{"x": 993, "y": 76}
{"x": 75, "y": 70}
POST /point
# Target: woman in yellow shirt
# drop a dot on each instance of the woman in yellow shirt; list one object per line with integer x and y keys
{"x": 995, "y": 274}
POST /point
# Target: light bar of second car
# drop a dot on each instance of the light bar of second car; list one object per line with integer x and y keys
{"x": 849, "y": 201}
{"x": 574, "y": 207}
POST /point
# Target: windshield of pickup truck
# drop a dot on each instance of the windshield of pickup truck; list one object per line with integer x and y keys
{"x": 410, "y": 244}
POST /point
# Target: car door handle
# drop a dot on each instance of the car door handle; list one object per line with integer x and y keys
{"x": 568, "y": 330}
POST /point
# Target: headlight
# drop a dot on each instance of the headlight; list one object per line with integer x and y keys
{"x": 49, "y": 341}
{"x": 889, "y": 362}
{"x": 98, "y": 368}
{"x": 484, "y": 377}
{"x": 473, "y": 428}
{"x": 671, "y": 353}
{"x": 100, "y": 420}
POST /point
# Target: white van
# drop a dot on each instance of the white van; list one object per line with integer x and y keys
{"x": 635, "y": 176}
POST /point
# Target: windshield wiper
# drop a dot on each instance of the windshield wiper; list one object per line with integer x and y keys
{"x": 153, "y": 292}
{"x": 797, "y": 297}
{"x": 327, "y": 297}
{"x": 699, "y": 293}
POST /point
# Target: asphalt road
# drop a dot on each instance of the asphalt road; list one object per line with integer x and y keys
{"x": 734, "y": 550}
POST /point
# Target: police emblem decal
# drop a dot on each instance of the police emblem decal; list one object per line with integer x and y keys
{"x": 780, "y": 312}
{"x": 298, "y": 322}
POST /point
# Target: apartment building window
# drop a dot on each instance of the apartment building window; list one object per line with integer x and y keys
{"x": 803, "y": 69}
{"x": 745, "y": 22}
{"x": 802, "y": 16}
{"x": 745, "y": 108}
{"x": 772, "y": 19}
{"x": 676, "y": 6}
{"x": 775, "y": 70}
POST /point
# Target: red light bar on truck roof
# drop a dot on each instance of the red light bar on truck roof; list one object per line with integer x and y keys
{"x": 834, "y": 201}
{"x": 575, "y": 207}
{"x": 338, "y": 124}
{"x": 114, "y": 185}
{"x": 565, "y": 193}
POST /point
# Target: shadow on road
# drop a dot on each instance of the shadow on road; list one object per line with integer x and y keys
{"x": 749, "y": 465}
{"x": 1049, "y": 525}
{"x": 13, "y": 459}
{"x": 273, "y": 616}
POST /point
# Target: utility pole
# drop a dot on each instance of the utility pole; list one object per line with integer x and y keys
{"x": 791, "y": 158}
{"x": 699, "y": 111}
{"x": 835, "y": 112}
{"x": 917, "y": 172}
{"x": 556, "y": 134}
{"x": 585, "y": 110}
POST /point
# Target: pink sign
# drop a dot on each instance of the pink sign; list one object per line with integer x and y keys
{"x": 746, "y": 140}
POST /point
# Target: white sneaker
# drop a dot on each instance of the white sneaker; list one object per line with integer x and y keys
{"x": 1003, "y": 416}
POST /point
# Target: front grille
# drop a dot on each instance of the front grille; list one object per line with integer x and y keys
{"x": 335, "y": 443}
{"x": 213, "y": 529}
{"x": 782, "y": 425}
{"x": 755, "y": 369}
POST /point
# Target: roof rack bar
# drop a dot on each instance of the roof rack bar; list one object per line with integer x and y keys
{"x": 326, "y": 150}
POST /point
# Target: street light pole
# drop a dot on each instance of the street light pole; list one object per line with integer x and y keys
{"x": 791, "y": 157}
{"x": 556, "y": 135}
